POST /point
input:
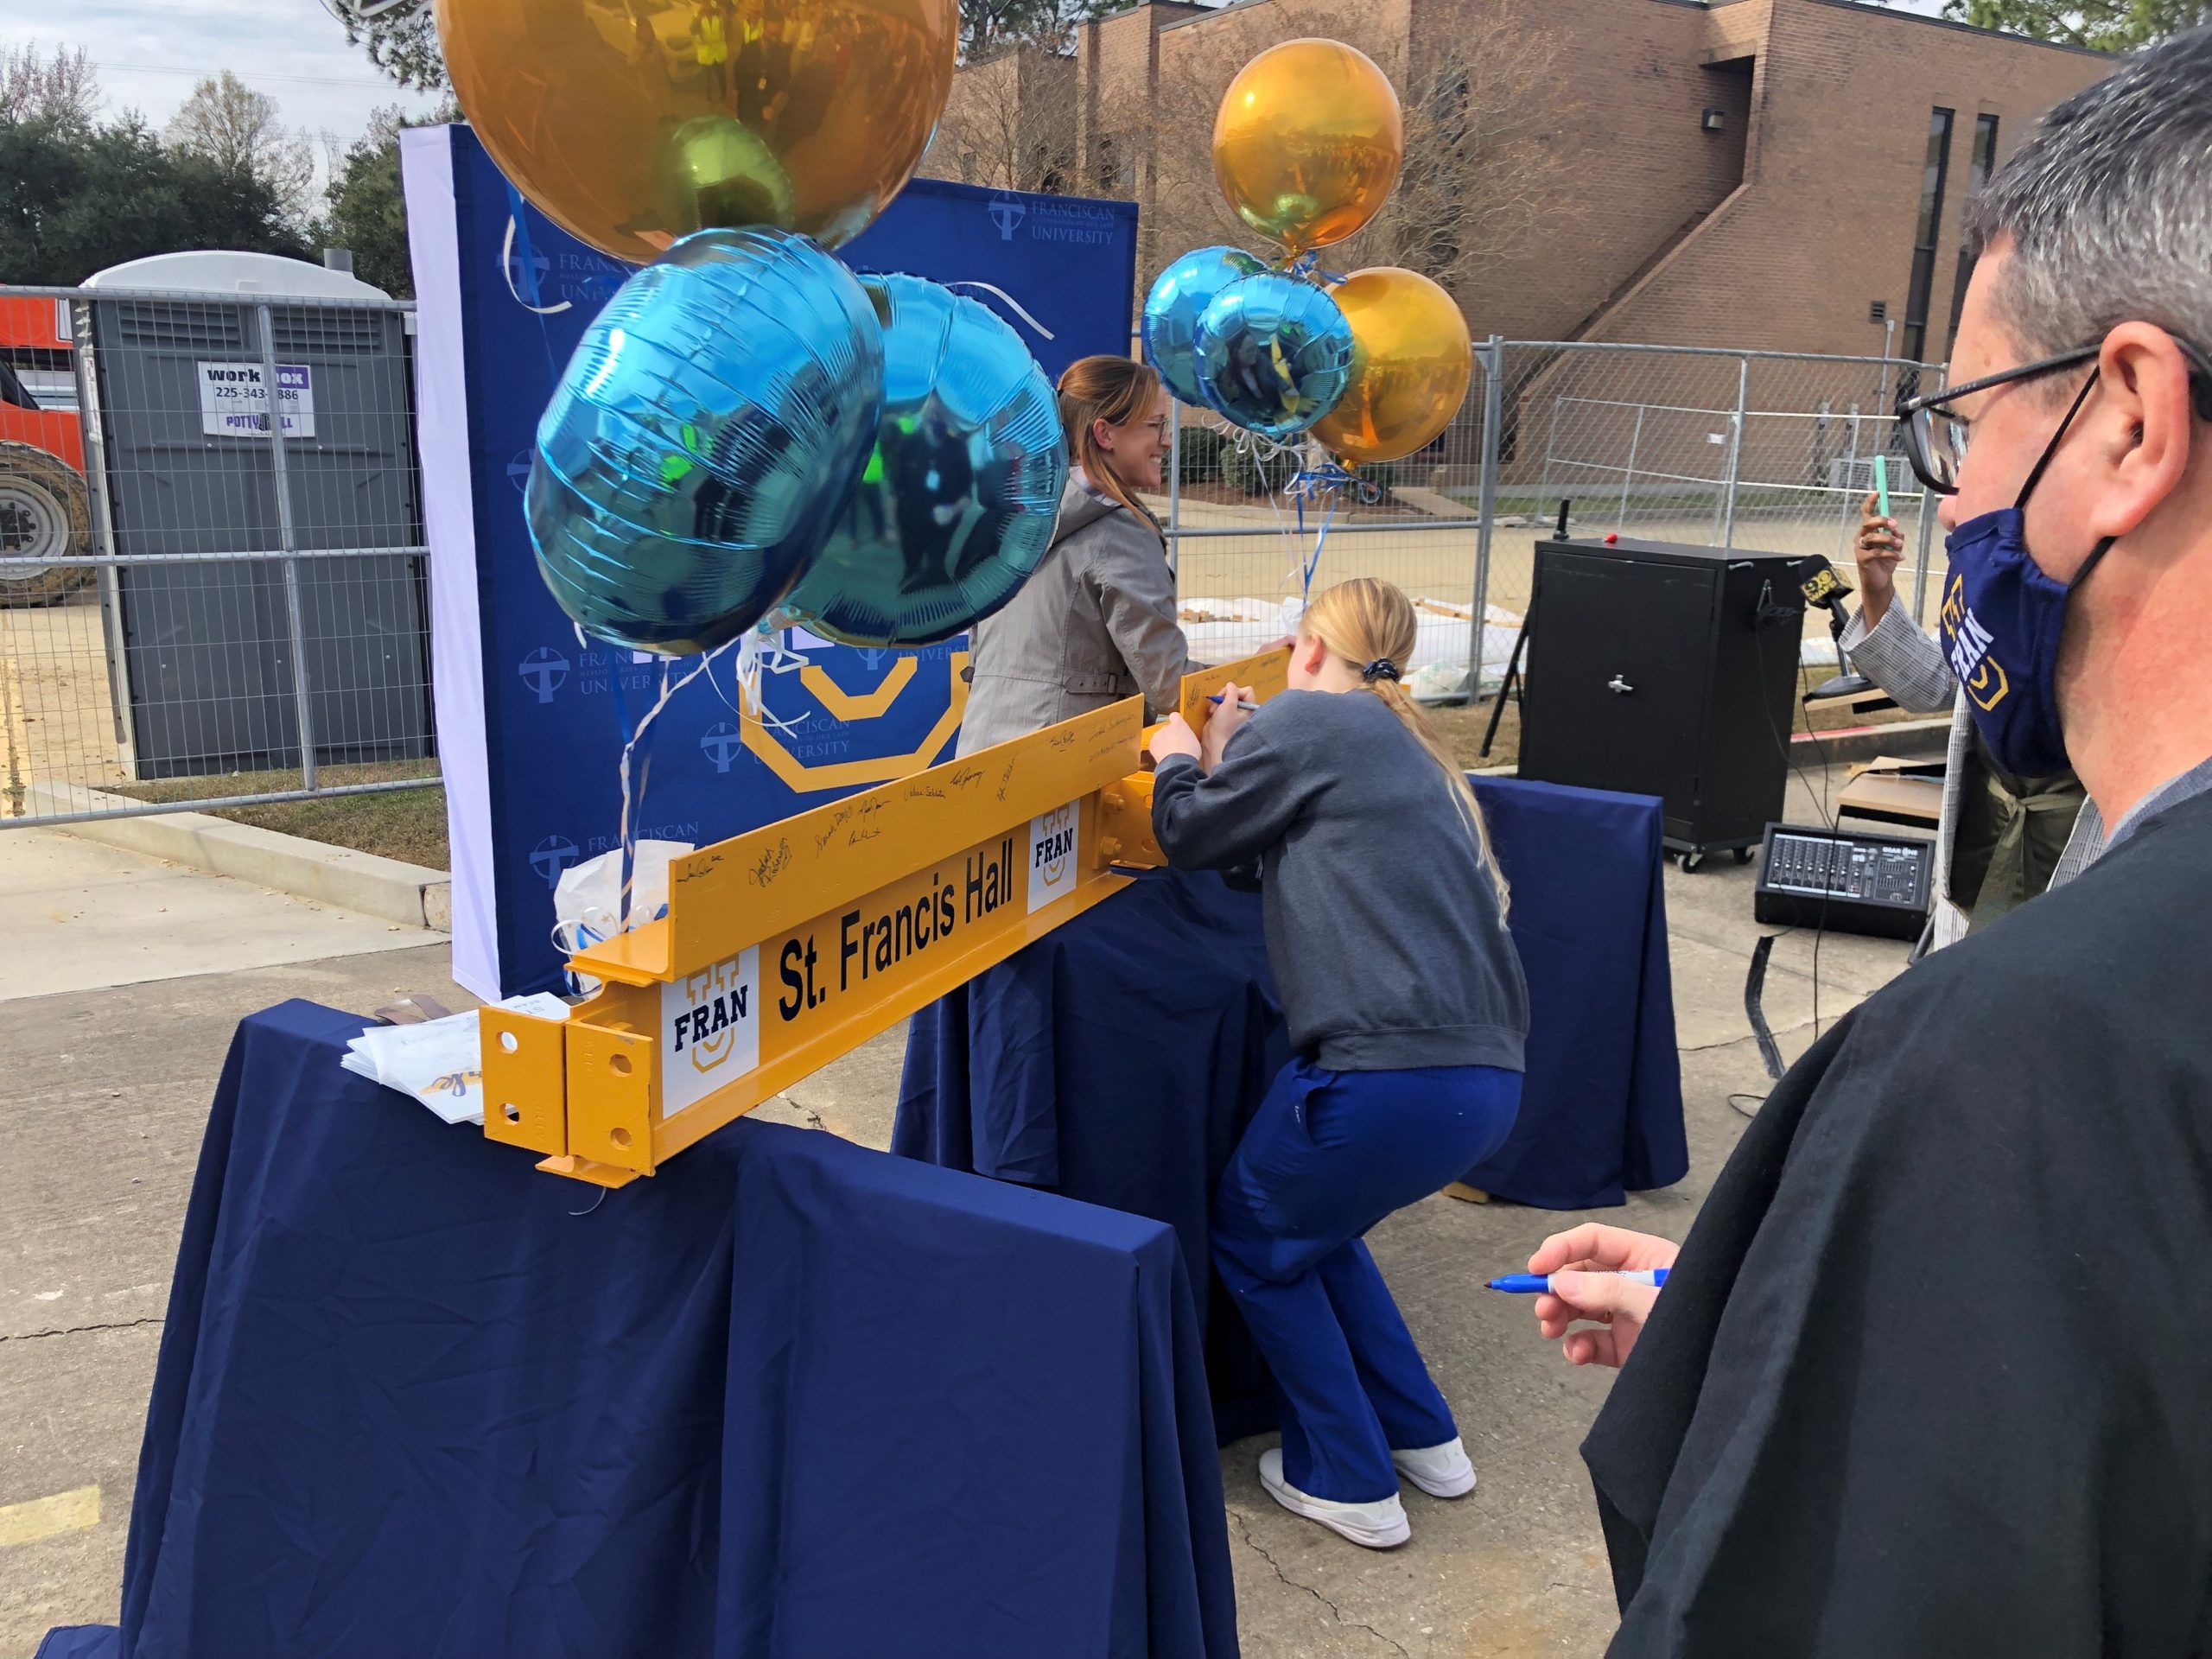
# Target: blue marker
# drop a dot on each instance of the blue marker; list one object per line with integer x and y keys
{"x": 1250, "y": 708}
{"x": 1528, "y": 1284}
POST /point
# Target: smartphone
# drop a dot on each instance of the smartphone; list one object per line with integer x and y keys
{"x": 1882, "y": 484}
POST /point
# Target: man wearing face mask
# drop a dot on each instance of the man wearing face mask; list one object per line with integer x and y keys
{"x": 2003, "y": 838}
{"x": 1930, "y": 1374}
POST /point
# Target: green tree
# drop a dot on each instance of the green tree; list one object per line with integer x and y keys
{"x": 367, "y": 211}
{"x": 2101, "y": 25}
{"x": 988, "y": 27}
{"x": 401, "y": 40}
{"x": 77, "y": 199}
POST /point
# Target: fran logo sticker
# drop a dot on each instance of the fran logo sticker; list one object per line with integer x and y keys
{"x": 709, "y": 1030}
{"x": 1052, "y": 842}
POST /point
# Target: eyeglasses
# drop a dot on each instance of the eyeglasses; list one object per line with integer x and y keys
{"x": 1935, "y": 437}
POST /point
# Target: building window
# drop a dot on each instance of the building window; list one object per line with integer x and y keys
{"x": 1924, "y": 240}
{"x": 1983, "y": 163}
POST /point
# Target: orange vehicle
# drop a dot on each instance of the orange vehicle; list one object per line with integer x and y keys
{"x": 45, "y": 507}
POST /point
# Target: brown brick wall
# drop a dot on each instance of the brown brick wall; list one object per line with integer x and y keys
{"x": 1634, "y": 166}
{"x": 1827, "y": 225}
{"x": 1647, "y": 236}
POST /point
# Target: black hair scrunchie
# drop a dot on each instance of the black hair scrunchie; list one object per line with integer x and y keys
{"x": 1380, "y": 669}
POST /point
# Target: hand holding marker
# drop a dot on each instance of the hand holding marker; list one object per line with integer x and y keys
{"x": 1245, "y": 703}
{"x": 1533, "y": 1284}
{"x": 1594, "y": 1286}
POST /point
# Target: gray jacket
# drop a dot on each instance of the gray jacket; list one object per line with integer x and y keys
{"x": 1095, "y": 624}
{"x": 1907, "y": 664}
{"x": 1384, "y": 932}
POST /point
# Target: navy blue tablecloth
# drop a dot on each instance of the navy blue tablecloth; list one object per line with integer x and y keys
{"x": 789, "y": 1399}
{"x": 1118, "y": 1060}
{"x": 1601, "y": 1110}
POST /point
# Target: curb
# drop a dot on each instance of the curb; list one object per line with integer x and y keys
{"x": 367, "y": 885}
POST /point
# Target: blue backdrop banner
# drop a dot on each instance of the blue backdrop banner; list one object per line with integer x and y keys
{"x": 532, "y": 718}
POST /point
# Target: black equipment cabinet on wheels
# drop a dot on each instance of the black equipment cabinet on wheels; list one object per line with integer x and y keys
{"x": 1660, "y": 669}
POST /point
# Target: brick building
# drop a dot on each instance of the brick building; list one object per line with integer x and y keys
{"x": 1781, "y": 175}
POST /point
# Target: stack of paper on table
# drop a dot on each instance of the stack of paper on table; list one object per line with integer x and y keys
{"x": 439, "y": 1062}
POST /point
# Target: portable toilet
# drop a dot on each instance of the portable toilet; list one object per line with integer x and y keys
{"x": 226, "y": 591}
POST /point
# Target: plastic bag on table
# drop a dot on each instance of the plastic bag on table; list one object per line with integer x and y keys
{"x": 586, "y": 901}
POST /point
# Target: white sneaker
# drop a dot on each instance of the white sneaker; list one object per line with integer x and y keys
{"x": 1379, "y": 1525}
{"x": 1439, "y": 1471}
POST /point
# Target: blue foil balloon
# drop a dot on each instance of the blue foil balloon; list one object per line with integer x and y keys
{"x": 703, "y": 439}
{"x": 1274, "y": 354}
{"x": 957, "y": 505}
{"x": 1177, "y": 300}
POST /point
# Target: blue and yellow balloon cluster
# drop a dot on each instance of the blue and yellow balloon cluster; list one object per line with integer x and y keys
{"x": 1306, "y": 147}
{"x": 747, "y": 425}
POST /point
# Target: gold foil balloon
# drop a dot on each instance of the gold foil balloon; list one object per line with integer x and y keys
{"x": 1308, "y": 143}
{"x": 632, "y": 123}
{"x": 1411, "y": 360}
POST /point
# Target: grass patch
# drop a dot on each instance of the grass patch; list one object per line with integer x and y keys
{"x": 408, "y": 824}
{"x": 1462, "y": 727}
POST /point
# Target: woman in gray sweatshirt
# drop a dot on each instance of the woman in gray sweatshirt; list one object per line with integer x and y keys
{"x": 1385, "y": 916}
{"x": 1096, "y": 622}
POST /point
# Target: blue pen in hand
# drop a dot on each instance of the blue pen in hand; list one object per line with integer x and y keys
{"x": 1248, "y": 706}
{"x": 1528, "y": 1284}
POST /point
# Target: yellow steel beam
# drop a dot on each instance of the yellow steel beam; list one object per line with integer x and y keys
{"x": 1266, "y": 674}
{"x": 787, "y": 946}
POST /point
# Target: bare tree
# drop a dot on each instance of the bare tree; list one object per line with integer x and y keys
{"x": 1482, "y": 96}
{"x": 1481, "y": 171}
{"x": 237, "y": 129}
{"x": 1010, "y": 123}
{"x": 65, "y": 88}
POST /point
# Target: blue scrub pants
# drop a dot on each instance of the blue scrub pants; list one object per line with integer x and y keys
{"x": 1328, "y": 1154}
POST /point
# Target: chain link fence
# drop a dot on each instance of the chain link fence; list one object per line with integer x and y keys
{"x": 1761, "y": 450}
{"x": 197, "y": 610}
{"x": 212, "y": 586}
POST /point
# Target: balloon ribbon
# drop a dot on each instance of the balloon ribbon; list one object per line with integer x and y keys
{"x": 1326, "y": 485}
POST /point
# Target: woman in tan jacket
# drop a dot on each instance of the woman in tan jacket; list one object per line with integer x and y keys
{"x": 1097, "y": 622}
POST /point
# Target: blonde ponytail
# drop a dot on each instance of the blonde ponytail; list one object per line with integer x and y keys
{"x": 1372, "y": 626}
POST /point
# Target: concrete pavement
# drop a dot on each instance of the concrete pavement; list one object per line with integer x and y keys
{"x": 78, "y": 915}
{"x": 105, "y": 1094}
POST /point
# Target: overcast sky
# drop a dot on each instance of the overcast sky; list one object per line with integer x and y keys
{"x": 150, "y": 52}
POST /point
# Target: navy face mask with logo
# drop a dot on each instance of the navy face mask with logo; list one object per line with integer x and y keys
{"x": 2001, "y": 620}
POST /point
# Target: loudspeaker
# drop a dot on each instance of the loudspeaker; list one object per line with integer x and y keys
{"x": 1656, "y": 668}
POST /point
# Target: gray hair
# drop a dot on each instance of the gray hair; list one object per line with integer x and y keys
{"x": 2108, "y": 207}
